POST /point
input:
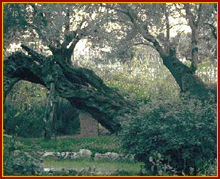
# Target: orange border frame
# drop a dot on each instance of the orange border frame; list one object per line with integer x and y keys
{"x": 112, "y": 1}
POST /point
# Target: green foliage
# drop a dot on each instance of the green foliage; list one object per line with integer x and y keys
{"x": 25, "y": 95}
{"x": 63, "y": 172}
{"x": 15, "y": 18}
{"x": 140, "y": 81}
{"x": 209, "y": 169}
{"x": 16, "y": 162}
{"x": 183, "y": 131}
{"x": 67, "y": 121}
{"x": 28, "y": 123}
{"x": 25, "y": 108}
{"x": 160, "y": 168}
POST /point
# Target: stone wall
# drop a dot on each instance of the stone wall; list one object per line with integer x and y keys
{"x": 88, "y": 125}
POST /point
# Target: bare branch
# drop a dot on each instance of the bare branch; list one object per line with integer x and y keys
{"x": 145, "y": 44}
{"x": 73, "y": 44}
{"x": 167, "y": 23}
{"x": 67, "y": 21}
{"x": 142, "y": 30}
{"x": 199, "y": 14}
{"x": 194, "y": 36}
{"x": 113, "y": 8}
{"x": 189, "y": 15}
{"x": 39, "y": 58}
{"x": 42, "y": 36}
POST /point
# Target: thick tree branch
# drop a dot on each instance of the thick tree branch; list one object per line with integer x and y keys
{"x": 81, "y": 86}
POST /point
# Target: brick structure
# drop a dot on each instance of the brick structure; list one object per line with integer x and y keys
{"x": 88, "y": 125}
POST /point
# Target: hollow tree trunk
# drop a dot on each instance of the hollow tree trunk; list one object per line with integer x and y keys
{"x": 80, "y": 86}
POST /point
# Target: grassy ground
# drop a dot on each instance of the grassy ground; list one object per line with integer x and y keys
{"x": 101, "y": 166}
{"x": 100, "y": 144}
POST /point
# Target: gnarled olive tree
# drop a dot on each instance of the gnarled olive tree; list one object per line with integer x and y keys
{"x": 80, "y": 86}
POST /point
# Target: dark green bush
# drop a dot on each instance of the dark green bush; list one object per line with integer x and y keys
{"x": 16, "y": 162}
{"x": 67, "y": 121}
{"x": 183, "y": 132}
{"x": 28, "y": 123}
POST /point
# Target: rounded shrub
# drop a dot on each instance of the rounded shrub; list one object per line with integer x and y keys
{"x": 182, "y": 132}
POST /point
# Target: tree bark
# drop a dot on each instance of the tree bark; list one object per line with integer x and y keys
{"x": 80, "y": 86}
{"x": 49, "y": 115}
{"x": 194, "y": 24}
{"x": 188, "y": 82}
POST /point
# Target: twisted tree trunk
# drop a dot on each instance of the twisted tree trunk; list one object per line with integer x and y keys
{"x": 188, "y": 82}
{"x": 80, "y": 86}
